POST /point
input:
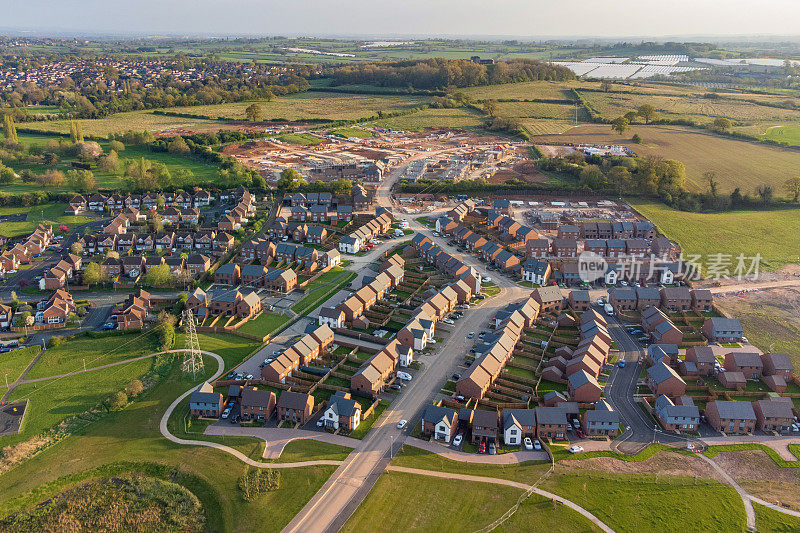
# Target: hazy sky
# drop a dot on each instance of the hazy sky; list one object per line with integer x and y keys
{"x": 534, "y": 18}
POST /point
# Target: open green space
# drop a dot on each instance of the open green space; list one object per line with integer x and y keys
{"x": 736, "y": 163}
{"x": 129, "y": 440}
{"x": 50, "y": 402}
{"x": 459, "y": 118}
{"x": 51, "y": 213}
{"x": 639, "y": 502}
{"x": 732, "y": 233}
{"x": 311, "y": 105}
{"x": 231, "y": 348}
{"x": 13, "y": 363}
{"x": 263, "y": 324}
{"x": 527, "y": 472}
{"x": 132, "y": 120}
{"x": 789, "y": 134}
{"x": 429, "y": 504}
{"x": 88, "y": 351}
{"x": 351, "y": 133}
{"x": 318, "y": 295}
{"x": 312, "y": 450}
{"x": 771, "y": 521}
{"x": 300, "y": 138}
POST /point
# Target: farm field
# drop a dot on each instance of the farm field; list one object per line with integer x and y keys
{"x": 789, "y": 134}
{"x": 528, "y": 90}
{"x": 121, "y": 122}
{"x": 312, "y": 105}
{"x": 734, "y": 162}
{"x": 50, "y": 213}
{"x": 638, "y": 502}
{"x": 129, "y": 440}
{"x": 434, "y": 118}
{"x": 455, "y": 505}
{"x": 735, "y": 232}
{"x": 696, "y": 107}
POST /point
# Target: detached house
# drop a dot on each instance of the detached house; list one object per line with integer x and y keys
{"x": 439, "y": 423}
{"x": 517, "y": 425}
{"x": 204, "y": 402}
{"x": 342, "y": 412}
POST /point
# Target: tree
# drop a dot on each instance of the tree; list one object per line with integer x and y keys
{"x": 91, "y": 274}
{"x": 14, "y": 300}
{"x": 636, "y": 139}
{"x": 647, "y": 112}
{"x": 134, "y": 388}
{"x": 765, "y": 192}
{"x": 722, "y": 125}
{"x": 592, "y": 177}
{"x": 7, "y": 175}
{"x": 792, "y": 186}
{"x": 109, "y": 162}
{"x": 631, "y": 116}
{"x": 112, "y": 254}
{"x": 619, "y": 124}
{"x": 290, "y": 180}
{"x": 76, "y": 248}
{"x": 490, "y": 108}
{"x": 253, "y": 112}
{"x": 117, "y": 146}
{"x": 166, "y": 336}
{"x": 605, "y": 86}
{"x": 10, "y": 129}
{"x": 178, "y": 146}
{"x": 713, "y": 184}
{"x": 159, "y": 276}
{"x": 117, "y": 401}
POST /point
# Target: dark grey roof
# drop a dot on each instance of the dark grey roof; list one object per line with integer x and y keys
{"x": 343, "y": 406}
{"x": 551, "y": 415}
{"x": 436, "y": 413}
{"x": 485, "y": 419}
{"x": 292, "y": 400}
{"x": 734, "y": 410}
{"x": 256, "y": 398}
{"x": 580, "y": 378}
{"x": 774, "y": 409}
{"x": 227, "y": 268}
{"x": 660, "y": 372}
{"x": 523, "y": 417}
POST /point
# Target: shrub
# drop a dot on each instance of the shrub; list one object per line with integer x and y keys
{"x": 256, "y": 481}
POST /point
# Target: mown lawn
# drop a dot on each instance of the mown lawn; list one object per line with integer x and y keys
{"x": 263, "y": 324}
{"x": 733, "y": 233}
{"x": 317, "y": 296}
{"x": 52, "y": 213}
{"x": 423, "y": 503}
{"x": 231, "y": 348}
{"x": 638, "y": 502}
{"x": 13, "y": 363}
{"x": 71, "y": 355}
{"x": 130, "y": 439}
{"x": 312, "y": 450}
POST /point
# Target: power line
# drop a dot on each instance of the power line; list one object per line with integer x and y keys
{"x": 192, "y": 358}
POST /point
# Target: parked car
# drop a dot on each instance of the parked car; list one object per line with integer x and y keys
{"x": 321, "y": 422}
{"x": 575, "y": 449}
{"x": 492, "y": 449}
{"x": 537, "y": 445}
{"x": 471, "y": 334}
{"x": 249, "y": 376}
{"x": 482, "y": 447}
{"x": 402, "y": 424}
{"x": 456, "y": 376}
{"x": 448, "y": 321}
{"x": 621, "y": 364}
{"x": 226, "y": 413}
{"x": 404, "y": 376}
{"x": 580, "y": 433}
{"x": 108, "y": 325}
{"x": 528, "y": 444}
{"x": 457, "y": 440}
{"x": 486, "y": 279}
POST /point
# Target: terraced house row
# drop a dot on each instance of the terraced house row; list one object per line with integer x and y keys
{"x": 375, "y": 372}
{"x": 265, "y": 251}
{"x": 306, "y": 349}
{"x": 581, "y": 366}
{"x": 363, "y": 299}
{"x": 672, "y": 299}
{"x": 36, "y": 243}
{"x": 446, "y": 263}
{"x": 273, "y": 279}
{"x": 209, "y": 241}
{"x": 357, "y": 240}
{"x": 117, "y": 202}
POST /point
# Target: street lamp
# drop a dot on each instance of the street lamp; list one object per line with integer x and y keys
{"x": 391, "y": 445}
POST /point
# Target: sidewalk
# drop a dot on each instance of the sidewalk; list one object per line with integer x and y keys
{"x": 455, "y": 455}
{"x": 276, "y": 439}
{"x": 779, "y": 444}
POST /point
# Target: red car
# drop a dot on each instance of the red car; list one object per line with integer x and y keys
{"x": 482, "y": 447}
{"x": 580, "y": 433}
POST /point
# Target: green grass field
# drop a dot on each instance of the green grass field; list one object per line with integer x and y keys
{"x": 300, "y": 138}
{"x": 771, "y": 521}
{"x": 71, "y": 354}
{"x": 263, "y": 324}
{"x": 312, "y": 105}
{"x": 13, "y": 363}
{"x": 736, "y": 163}
{"x": 637, "y": 502}
{"x": 52, "y": 401}
{"x": 736, "y": 232}
{"x": 107, "y": 180}
{"x": 48, "y": 213}
{"x": 428, "y": 504}
{"x": 789, "y": 134}
{"x": 231, "y": 348}
{"x": 528, "y": 472}
{"x": 312, "y": 450}
{"x": 133, "y": 120}
{"x": 319, "y": 291}
{"x": 130, "y": 440}
{"x": 349, "y": 133}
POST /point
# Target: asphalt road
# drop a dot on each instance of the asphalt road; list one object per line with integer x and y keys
{"x": 347, "y": 487}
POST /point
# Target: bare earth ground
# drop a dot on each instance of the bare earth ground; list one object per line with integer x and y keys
{"x": 787, "y": 273}
{"x": 667, "y": 464}
{"x": 762, "y": 478}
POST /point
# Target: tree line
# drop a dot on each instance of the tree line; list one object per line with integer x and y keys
{"x": 439, "y": 73}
